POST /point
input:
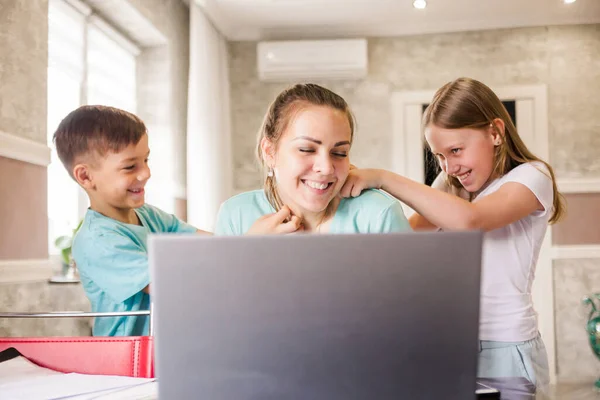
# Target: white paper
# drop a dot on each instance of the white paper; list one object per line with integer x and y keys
{"x": 142, "y": 391}
{"x": 20, "y": 368}
{"x": 22, "y": 380}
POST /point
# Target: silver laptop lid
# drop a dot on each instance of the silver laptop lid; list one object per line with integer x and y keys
{"x": 391, "y": 316}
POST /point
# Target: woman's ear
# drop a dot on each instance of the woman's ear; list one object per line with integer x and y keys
{"x": 268, "y": 152}
{"x": 82, "y": 174}
{"x": 497, "y": 131}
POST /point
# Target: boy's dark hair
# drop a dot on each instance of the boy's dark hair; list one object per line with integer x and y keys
{"x": 97, "y": 129}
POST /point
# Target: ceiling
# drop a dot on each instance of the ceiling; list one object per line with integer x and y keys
{"x": 306, "y": 19}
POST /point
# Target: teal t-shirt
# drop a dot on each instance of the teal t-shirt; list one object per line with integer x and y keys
{"x": 372, "y": 212}
{"x": 112, "y": 259}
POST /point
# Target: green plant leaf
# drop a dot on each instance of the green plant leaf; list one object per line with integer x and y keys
{"x": 63, "y": 242}
{"x": 66, "y": 255}
{"x": 77, "y": 228}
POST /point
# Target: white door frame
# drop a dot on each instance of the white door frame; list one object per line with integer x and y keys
{"x": 532, "y": 122}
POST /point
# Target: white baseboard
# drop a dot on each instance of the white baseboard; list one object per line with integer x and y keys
{"x": 18, "y": 148}
{"x": 579, "y": 185}
{"x": 21, "y": 271}
{"x": 575, "y": 252}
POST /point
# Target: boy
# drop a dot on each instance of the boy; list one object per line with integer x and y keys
{"x": 106, "y": 151}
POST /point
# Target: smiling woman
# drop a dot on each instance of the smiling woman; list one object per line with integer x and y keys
{"x": 303, "y": 146}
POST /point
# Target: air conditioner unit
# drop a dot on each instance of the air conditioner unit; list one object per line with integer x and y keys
{"x": 312, "y": 59}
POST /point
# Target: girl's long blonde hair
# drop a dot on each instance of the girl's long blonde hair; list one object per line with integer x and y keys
{"x": 281, "y": 112}
{"x": 467, "y": 103}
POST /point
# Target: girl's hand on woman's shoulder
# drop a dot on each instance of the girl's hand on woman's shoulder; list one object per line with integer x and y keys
{"x": 361, "y": 179}
{"x": 281, "y": 222}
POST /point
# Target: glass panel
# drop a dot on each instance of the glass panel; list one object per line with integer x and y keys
{"x": 511, "y": 107}
{"x": 111, "y": 78}
{"x": 430, "y": 164}
{"x": 66, "y": 27}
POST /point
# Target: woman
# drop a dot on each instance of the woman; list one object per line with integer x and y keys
{"x": 304, "y": 146}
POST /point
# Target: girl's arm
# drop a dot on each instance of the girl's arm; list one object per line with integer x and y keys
{"x": 513, "y": 201}
{"x": 419, "y": 223}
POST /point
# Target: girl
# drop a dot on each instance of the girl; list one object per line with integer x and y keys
{"x": 489, "y": 181}
{"x": 304, "y": 146}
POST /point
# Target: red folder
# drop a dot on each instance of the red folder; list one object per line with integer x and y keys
{"x": 124, "y": 356}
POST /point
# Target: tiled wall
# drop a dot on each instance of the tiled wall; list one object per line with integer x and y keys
{"x": 580, "y": 226}
{"x": 23, "y": 214}
{"x": 40, "y": 296}
{"x": 565, "y": 58}
{"x": 23, "y": 61}
{"x": 575, "y": 279}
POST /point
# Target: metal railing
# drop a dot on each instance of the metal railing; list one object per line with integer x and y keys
{"x": 83, "y": 314}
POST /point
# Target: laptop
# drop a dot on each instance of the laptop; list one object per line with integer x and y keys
{"x": 378, "y": 316}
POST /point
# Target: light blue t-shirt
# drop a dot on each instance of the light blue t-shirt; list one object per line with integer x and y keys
{"x": 112, "y": 259}
{"x": 372, "y": 212}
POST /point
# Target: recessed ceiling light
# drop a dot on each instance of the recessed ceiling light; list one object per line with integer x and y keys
{"x": 421, "y": 4}
{"x": 569, "y": 1}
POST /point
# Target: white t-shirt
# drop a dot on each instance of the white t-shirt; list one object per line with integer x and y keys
{"x": 510, "y": 256}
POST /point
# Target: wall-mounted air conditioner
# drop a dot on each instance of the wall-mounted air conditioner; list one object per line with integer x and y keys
{"x": 312, "y": 59}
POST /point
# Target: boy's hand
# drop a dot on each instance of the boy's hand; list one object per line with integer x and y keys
{"x": 281, "y": 222}
{"x": 359, "y": 180}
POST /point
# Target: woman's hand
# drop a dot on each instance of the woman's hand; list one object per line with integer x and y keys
{"x": 278, "y": 223}
{"x": 361, "y": 179}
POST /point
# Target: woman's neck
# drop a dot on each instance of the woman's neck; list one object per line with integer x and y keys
{"x": 315, "y": 222}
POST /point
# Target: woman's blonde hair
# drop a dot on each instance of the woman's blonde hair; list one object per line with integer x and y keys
{"x": 467, "y": 103}
{"x": 282, "y": 111}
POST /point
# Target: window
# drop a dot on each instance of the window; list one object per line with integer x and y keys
{"x": 88, "y": 63}
{"x": 111, "y": 73}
